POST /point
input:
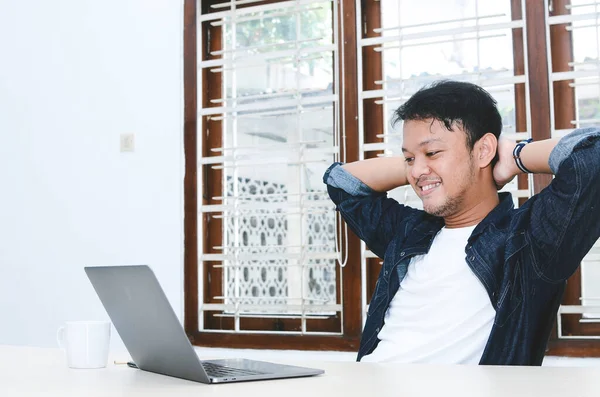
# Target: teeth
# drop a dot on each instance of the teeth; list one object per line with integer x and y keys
{"x": 429, "y": 187}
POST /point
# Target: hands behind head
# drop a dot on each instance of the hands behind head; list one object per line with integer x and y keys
{"x": 505, "y": 169}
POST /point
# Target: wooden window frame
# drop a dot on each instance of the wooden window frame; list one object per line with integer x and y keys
{"x": 212, "y": 186}
{"x": 561, "y": 49}
{"x": 565, "y": 111}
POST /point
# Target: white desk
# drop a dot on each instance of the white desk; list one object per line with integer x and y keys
{"x": 42, "y": 372}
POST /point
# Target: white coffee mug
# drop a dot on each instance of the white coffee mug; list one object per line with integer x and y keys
{"x": 85, "y": 342}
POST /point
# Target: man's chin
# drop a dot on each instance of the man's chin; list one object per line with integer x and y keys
{"x": 435, "y": 210}
{"x": 430, "y": 210}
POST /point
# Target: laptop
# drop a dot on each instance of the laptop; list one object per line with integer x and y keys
{"x": 155, "y": 339}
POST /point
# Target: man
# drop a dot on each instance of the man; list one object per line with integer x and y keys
{"x": 470, "y": 279}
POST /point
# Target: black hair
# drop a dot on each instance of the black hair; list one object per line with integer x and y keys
{"x": 455, "y": 101}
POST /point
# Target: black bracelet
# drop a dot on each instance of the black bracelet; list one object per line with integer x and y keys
{"x": 517, "y": 154}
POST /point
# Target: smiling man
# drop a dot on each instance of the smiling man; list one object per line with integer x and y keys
{"x": 469, "y": 279}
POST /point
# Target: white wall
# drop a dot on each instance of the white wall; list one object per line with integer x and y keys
{"x": 74, "y": 75}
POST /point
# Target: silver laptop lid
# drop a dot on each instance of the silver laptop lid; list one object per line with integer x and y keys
{"x": 145, "y": 321}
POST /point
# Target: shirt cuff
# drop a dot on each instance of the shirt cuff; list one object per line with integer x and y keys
{"x": 567, "y": 144}
{"x": 338, "y": 177}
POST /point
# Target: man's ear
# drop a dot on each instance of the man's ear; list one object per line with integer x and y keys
{"x": 485, "y": 150}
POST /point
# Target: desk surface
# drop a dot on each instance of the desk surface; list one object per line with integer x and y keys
{"x": 26, "y": 371}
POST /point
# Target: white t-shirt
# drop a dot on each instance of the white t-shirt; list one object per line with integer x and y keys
{"x": 441, "y": 312}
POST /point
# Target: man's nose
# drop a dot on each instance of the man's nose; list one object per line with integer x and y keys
{"x": 420, "y": 167}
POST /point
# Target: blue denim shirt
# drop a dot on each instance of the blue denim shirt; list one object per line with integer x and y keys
{"x": 522, "y": 256}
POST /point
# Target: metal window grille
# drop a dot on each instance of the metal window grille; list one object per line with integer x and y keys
{"x": 280, "y": 116}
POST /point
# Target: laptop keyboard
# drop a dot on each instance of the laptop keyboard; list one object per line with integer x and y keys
{"x": 219, "y": 371}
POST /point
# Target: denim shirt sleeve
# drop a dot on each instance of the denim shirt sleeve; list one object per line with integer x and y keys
{"x": 371, "y": 215}
{"x": 339, "y": 178}
{"x": 564, "y": 221}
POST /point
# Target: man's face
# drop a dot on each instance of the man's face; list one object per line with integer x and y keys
{"x": 439, "y": 165}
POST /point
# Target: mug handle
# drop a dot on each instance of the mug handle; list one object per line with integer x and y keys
{"x": 60, "y": 336}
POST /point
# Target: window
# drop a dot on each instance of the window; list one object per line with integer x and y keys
{"x": 268, "y": 265}
{"x": 277, "y": 90}
{"x": 574, "y": 72}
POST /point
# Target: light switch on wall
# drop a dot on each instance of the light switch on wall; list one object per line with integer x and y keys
{"x": 127, "y": 142}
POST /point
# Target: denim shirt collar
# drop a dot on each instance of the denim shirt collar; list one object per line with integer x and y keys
{"x": 432, "y": 224}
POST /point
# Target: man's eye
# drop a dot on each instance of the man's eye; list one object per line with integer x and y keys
{"x": 409, "y": 159}
{"x": 430, "y": 154}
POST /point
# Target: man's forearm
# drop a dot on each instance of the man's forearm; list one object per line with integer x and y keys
{"x": 380, "y": 174}
{"x": 535, "y": 156}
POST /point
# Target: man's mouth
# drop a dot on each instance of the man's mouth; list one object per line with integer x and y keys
{"x": 427, "y": 189}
